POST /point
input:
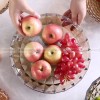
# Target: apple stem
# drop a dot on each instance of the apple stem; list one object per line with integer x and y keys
{"x": 51, "y": 36}
{"x": 28, "y": 27}
{"x": 41, "y": 69}
{"x": 38, "y": 51}
{"x": 52, "y": 52}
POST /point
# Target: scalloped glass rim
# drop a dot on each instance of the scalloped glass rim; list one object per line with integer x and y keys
{"x": 47, "y": 88}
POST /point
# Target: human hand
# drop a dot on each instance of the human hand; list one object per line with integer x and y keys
{"x": 16, "y": 8}
{"x": 77, "y": 11}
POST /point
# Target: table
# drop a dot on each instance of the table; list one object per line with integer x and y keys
{"x": 11, "y": 83}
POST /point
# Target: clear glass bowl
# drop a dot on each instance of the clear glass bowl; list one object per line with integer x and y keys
{"x": 94, "y": 90}
{"x": 21, "y": 65}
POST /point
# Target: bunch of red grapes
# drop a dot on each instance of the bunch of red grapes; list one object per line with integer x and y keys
{"x": 72, "y": 61}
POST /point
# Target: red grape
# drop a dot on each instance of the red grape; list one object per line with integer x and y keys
{"x": 78, "y": 70}
{"x": 69, "y": 72}
{"x": 63, "y": 46}
{"x": 65, "y": 59}
{"x": 70, "y": 64}
{"x": 81, "y": 60}
{"x": 73, "y": 40}
{"x": 81, "y": 65}
{"x": 74, "y": 72}
{"x": 62, "y": 64}
{"x": 72, "y": 76}
{"x": 65, "y": 53}
{"x": 68, "y": 49}
{"x": 72, "y": 54}
{"x": 67, "y": 36}
{"x": 62, "y": 80}
{"x": 79, "y": 54}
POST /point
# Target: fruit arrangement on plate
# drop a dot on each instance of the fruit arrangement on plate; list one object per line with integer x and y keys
{"x": 52, "y": 57}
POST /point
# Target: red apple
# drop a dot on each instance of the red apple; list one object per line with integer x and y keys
{"x": 31, "y": 26}
{"x": 52, "y": 33}
{"x": 52, "y": 54}
{"x": 41, "y": 70}
{"x": 33, "y": 51}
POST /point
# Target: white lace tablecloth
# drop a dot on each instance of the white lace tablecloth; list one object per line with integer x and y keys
{"x": 11, "y": 83}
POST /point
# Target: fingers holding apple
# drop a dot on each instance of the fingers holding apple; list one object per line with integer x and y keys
{"x": 52, "y": 33}
{"x": 33, "y": 51}
{"x": 41, "y": 70}
{"x": 31, "y": 26}
{"x": 52, "y": 54}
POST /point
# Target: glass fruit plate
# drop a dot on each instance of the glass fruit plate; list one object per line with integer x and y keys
{"x": 94, "y": 90}
{"x": 22, "y": 67}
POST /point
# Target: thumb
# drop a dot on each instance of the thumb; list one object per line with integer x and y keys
{"x": 74, "y": 18}
{"x": 31, "y": 12}
{"x": 80, "y": 19}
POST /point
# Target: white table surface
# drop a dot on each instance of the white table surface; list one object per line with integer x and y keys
{"x": 11, "y": 83}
